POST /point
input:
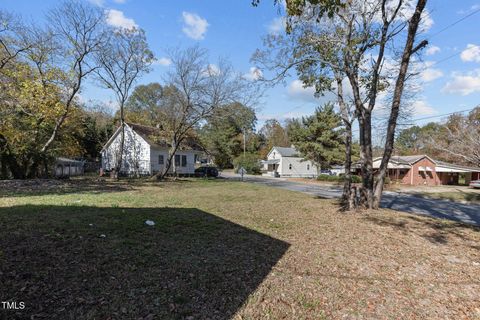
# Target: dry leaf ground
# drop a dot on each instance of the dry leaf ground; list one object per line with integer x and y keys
{"x": 222, "y": 250}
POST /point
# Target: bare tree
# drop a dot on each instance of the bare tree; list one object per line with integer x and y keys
{"x": 195, "y": 90}
{"x": 78, "y": 30}
{"x": 460, "y": 137}
{"x": 359, "y": 36}
{"x": 409, "y": 49}
{"x": 122, "y": 60}
{"x": 315, "y": 52}
{"x": 14, "y": 39}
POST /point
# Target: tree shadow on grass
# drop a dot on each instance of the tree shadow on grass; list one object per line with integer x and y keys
{"x": 79, "y": 262}
{"x": 40, "y": 187}
{"x": 437, "y": 231}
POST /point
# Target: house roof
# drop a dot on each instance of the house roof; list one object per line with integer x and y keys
{"x": 149, "y": 133}
{"x": 407, "y": 160}
{"x": 455, "y": 166}
{"x": 272, "y": 161}
{"x": 287, "y": 152}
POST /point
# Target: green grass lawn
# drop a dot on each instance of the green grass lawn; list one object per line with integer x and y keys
{"x": 222, "y": 250}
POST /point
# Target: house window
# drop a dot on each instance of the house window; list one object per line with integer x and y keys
{"x": 184, "y": 161}
{"x": 290, "y": 166}
{"x": 160, "y": 159}
{"x": 177, "y": 160}
{"x": 274, "y": 155}
{"x": 308, "y": 167}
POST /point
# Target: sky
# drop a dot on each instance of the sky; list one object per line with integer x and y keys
{"x": 234, "y": 29}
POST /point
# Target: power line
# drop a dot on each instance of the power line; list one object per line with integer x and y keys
{"x": 455, "y": 23}
{"x": 448, "y": 27}
{"x": 439, "y": 116}
{"x": 445, "y": 59}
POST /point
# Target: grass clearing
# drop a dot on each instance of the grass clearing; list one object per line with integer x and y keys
{"x": 223, "y": 250}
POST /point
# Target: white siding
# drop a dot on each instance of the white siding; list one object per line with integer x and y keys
{"x": 188, "y": 169}
{"x": 297, "y": 167}
{"x": 274, "y": 154}
{"x": 154, "y": 153}
{"x": 136, "y": 153}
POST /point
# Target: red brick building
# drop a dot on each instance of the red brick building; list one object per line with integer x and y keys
{"x": 423, "y": 170}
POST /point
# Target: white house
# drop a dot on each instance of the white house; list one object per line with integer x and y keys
{"x": 143, "y": 156}
{"x": 288, "y": 162}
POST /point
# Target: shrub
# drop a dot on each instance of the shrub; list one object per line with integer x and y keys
{"x": 356, "y": 179}
{"x": 326, "y": 177}
{"x": 339, "y": 178}
{"x": 250, "y": 162}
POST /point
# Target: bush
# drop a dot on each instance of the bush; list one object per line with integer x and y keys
{"x": 250, "y": 162}
{"x": 326, "y": 177}
{"x": 339, "y": 178}
{"x": 356, "y": 179}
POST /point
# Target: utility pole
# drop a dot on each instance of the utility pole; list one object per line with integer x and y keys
{"x": 244, "y": 143}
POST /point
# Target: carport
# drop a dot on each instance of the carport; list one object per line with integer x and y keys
{"x": 449, "y": 174}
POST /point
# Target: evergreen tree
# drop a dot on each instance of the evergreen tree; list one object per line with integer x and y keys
{"x": 319, "y": 137}
{"x": 223, "y": 133}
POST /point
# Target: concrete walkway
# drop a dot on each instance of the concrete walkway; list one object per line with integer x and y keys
{"x": 444, "y": 209}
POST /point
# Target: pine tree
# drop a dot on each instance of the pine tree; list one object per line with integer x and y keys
{"x": 319, "y": 137}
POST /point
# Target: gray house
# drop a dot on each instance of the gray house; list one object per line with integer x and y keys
{"x": 288, "y": 162}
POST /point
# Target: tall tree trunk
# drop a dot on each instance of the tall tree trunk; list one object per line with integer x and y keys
{"x": 365, "y": 129}
{"x": 10, "y": 160}
{"x": 347, "y": 183}
{"x": 348, "y": 201}
{"x": 397, "y": 96}
{"x": 118, "y": 165}
{"x": 170, "y": 160}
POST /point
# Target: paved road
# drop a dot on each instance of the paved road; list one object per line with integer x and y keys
{"x": 467, "y": 213}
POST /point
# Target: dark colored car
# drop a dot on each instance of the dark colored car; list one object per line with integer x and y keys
{"x": 326, "y": 172}
{"x": 206, "y": 172}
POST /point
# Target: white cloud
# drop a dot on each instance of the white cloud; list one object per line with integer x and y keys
{"x": 430, "y": 74}
{"x": 195, "y": 26}
{"x": 426, "y": 21}
{"x": 463, "y": 84}
{"x": 212, "y": 70}
{"x": 277, "y": 25}
{"x": 99, "y": 3}
{"x": 284, "y": 116}
{"x": 406, "y": 12}
{"x": 472, "y": 8}
{"x": 296, "y": 91}
{"x": 432, "y": 50}
{"x": 254, "y": 74}
{"x": 471, "y": 53}
{"x": 117, "y": 19}
{"x": 163, "y": 62}
{"x": 422, "y": 108}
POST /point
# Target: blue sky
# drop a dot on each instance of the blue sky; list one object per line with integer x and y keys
{"x": 233, "y": 29}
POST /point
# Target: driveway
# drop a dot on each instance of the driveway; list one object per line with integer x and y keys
{"x": 444, "y": 209}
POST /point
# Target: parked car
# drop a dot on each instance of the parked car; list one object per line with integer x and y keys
{"x": 475, "y": 184}
{"x": 206, "y": 172}
{"x": 327, "y": 172}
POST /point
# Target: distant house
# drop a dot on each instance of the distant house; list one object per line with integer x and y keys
{"x": 288, "y": 162}
{"x": 65, "y": 167}
{"x": 423, "y": 170}
{"x": 337, "y": 170}
{"x": 143, "y": 156}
